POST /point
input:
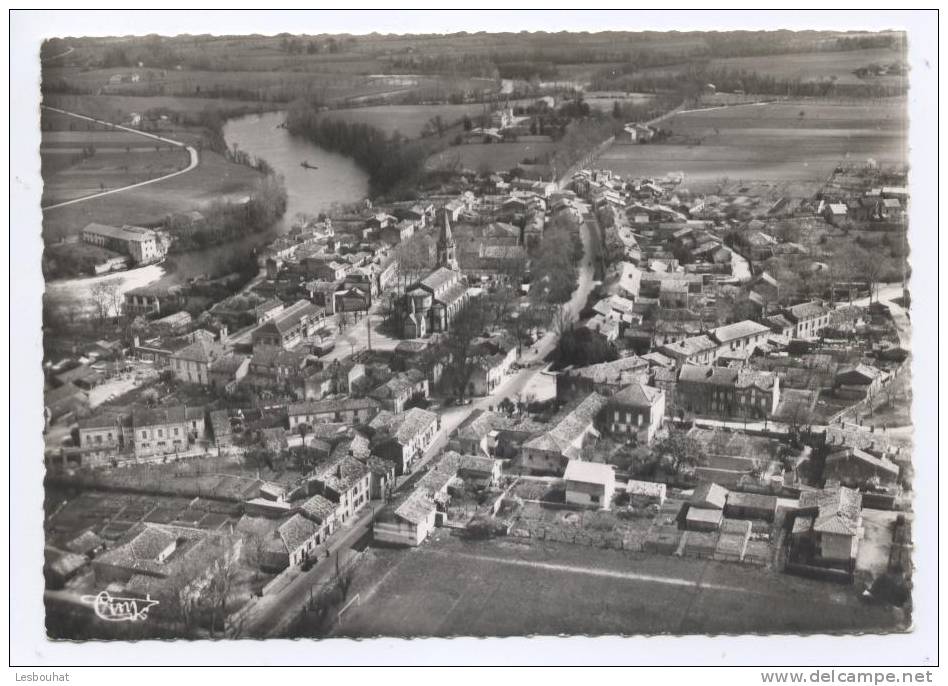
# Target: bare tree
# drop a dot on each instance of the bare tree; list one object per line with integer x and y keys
{"x": 218, "y": 591}
{"x": 462, "y": 355}
{"x": 104, "y": 296}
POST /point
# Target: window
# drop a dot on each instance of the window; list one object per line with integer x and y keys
{"x": 144, "y": 434}
{"x": 594, "y": 498}
{"x": 98, "y": 439}
{"x": 176, "y": 431}
{"x": 161, "y": 433}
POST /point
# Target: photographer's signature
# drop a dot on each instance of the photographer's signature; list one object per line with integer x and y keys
{"x": 117, "y": 609}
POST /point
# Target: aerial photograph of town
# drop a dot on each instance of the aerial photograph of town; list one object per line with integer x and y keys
{"x": 476, "y": 334}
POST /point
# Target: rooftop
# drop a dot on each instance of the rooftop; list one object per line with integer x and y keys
{"x": 589, "y": 472}
{"x": 738, "y": 330}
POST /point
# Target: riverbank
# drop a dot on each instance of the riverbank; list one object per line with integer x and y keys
{"x": 337, "y": 181}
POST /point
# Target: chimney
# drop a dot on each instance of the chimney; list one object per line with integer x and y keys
{"x": 135, "y": 341}
{"x": 223, "y": 334}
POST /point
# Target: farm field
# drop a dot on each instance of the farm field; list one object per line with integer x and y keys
{"x": 496, "y": 156}
{"x": 117, "y": 107}
{"x": 81, "y": 158}
{"x": 449, "y": 587}
{"x": 605, "y": 103}
{"x": 409, "y": 120}
{"x": 329, "y": 82}
{"x": 213, "y": 179}
{"x": 798, "y": 141}
{"x": 816, "y": 66}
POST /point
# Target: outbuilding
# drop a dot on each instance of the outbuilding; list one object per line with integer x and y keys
{"x": 590, "y": 484}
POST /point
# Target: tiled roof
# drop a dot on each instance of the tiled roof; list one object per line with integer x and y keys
{"x": 296, "y": 531}
{"x": 414, "y": 422}
{"x": 416, "y": 508}
{"x": 438, "y": 278}
{"x": 637, "y": 395}
{"x": 614, "y": 371}
{"x": 326, "y": 406}
{"x": 809, "y": 310}
{"x": 270, "y": 356}
{"x": 125, "y": 233}
{"x": 838, "y": 509}
{"x": 710, "y": 495}
{"x": 145, "y": 543}
{"x": 738, "y": 330}
{"x": 291, "y": 316}
{"x": 589, "y": 472}
{"x": 687, "y": 347}
{"x": 200, "y": 351}
{"x": 756, "y": 500}
{"x": 855, "y": 454}
{"x": 398, "y": 384}
{"x": 228, "y": 364}
{"x": 158, "y": 415}
{"x": 343, "y": 474}
{"x": 753, "y": 377}
{"x": 571, "y": 426}
{"x": 318, "y": 508}
{"x": 867, "y": 371}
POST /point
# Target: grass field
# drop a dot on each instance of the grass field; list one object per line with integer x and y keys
{"x": 816, "y": 66}
{"x": 214, "y": 178}
{"x": 118, "y": 107}
{"x": 118, "y": 158}
{"x": 449, "y": 587}
{"x": 604, "y": 101}
{"x": 495, "y": 156}
{"x": 785, "y": 141}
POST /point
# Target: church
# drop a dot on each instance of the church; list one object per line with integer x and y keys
{"x": 434, "y": 301}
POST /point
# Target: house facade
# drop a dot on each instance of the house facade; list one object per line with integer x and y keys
{"x": 589, "y": 484}
{"x": 727, "y": 391}
{"x": 192, "y": 364}
{"x": 637, "y": 410}
{"x": 346, "y": 411}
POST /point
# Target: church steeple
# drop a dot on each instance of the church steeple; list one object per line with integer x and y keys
{"x": 447, "y": 250}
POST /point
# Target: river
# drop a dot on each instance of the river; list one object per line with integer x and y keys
{"x": 336, "y": 179}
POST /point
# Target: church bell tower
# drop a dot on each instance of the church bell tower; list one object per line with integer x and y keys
{"x": 447, "y": 250}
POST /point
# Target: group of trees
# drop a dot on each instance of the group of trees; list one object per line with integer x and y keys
{"x": 225, "y": 221}
{"x": 390, "y": 160}
{"x": 555, "y": 264}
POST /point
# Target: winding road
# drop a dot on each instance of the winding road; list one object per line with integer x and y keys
{"x": 192, "y": 152}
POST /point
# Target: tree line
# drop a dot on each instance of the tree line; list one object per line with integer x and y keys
{"x": 391, "y": 161}
{"x": 226, "y": 221}
{"x": 693, "y": 78}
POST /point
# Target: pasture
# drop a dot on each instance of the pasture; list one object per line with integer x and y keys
{"x": 449, "y": 587}
{"x": 789, "y": 141}
{"x": 493, "y": 156}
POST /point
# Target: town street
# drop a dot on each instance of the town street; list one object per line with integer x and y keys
{"x": 270, "y": 615}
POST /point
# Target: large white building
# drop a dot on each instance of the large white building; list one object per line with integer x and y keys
{"x": 143, "y": 245}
